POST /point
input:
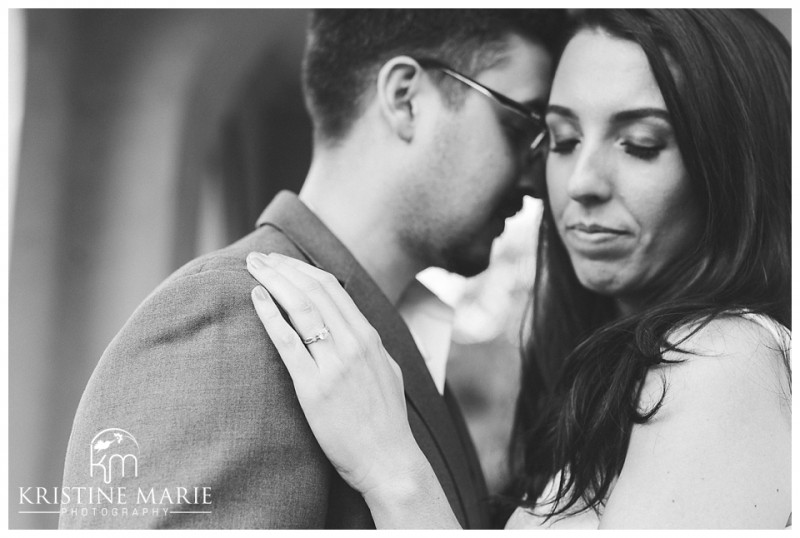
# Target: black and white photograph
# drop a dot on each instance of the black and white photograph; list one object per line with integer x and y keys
{"x": 399, "y": 268}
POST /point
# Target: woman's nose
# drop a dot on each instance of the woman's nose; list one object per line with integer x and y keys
{"x": 590, "y": 181}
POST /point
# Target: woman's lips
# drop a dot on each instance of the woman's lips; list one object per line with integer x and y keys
{"x": 597, "y": 240}
{"x": 595, "y": 229}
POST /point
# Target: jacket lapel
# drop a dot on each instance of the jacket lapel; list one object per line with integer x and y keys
{"x": 324, "y": 250}
{"x": 420, "y": 389}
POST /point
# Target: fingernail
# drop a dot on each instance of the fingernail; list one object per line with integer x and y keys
{"x": 260, "y": 293}
{"x": 257, "y": 260}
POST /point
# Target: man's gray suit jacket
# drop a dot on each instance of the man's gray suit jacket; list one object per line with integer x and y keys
{"x": 193, "y": 388}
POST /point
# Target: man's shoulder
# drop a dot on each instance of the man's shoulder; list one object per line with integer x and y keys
{"x": 227, "y": 266}
{"x": 211, "y": 289}
{"x": 200, "y": 319}
{"x": 194, "y": 376}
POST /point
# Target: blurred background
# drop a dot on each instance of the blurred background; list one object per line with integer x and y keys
{"x": 139, "y": 139}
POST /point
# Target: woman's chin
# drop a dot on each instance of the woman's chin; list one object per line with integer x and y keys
{"x": 607, "y": 283}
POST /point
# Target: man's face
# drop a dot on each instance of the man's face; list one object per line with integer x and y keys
{"x": 476, "y": 171}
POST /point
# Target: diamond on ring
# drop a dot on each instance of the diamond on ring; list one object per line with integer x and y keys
{"x": 322, "y": 335}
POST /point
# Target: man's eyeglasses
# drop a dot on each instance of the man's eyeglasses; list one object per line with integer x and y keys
{"x": 534, "y": 121}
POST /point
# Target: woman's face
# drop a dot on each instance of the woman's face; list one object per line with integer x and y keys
{"x": 617, "y": 186}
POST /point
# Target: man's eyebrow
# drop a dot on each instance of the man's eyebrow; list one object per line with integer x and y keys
{"x": 627, "y": 116}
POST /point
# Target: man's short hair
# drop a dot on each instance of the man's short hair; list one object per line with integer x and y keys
{"x": 345, "y": 49}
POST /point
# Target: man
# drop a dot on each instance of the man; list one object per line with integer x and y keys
{"x": 414, "y": 166}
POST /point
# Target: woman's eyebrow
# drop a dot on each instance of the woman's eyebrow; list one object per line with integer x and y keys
{"x": 623, "y": 116}
{"x": 561, "y": 111}
{"x": 627, "y": 116}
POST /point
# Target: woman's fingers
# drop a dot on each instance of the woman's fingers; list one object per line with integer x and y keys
{"x": 293, "y": 352}
{"x": 353, "y": 395}
{"x": 343, "y": 302}
{"x": 302, "y": 310}
{"x": 304, "y": 293}
{"x": 317, "y": 295}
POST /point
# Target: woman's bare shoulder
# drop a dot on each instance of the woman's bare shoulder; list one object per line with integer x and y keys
{"x": 718, "y": 452}
{"x": 736, "y": 359}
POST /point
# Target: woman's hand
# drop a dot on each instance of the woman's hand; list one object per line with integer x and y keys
{"x": 349, "y": 387}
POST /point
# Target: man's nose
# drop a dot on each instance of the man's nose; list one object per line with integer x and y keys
{"x": 532, "y": 179}
{"x": 590, "y": 180}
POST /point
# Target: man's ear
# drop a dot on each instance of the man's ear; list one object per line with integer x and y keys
{"x": 398, "y": 86}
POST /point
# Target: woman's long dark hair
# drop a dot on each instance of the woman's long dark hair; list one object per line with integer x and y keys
{"x": 725, "y": 76}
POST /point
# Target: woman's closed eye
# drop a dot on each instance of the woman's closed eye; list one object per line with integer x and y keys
{"x": 563, "y": 146}
{"x": 564, "y": 135}
{"x": 644, "y": 141}
{"x": 646, "y": 152}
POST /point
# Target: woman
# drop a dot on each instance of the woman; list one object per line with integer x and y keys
{"x": 655, "y": 385}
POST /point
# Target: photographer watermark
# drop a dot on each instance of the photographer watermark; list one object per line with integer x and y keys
{"x": 111, "y": 446}
{"x": 114, "y": 454}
